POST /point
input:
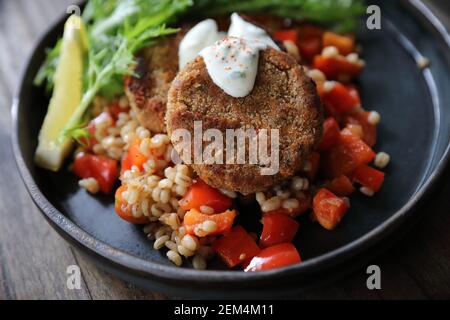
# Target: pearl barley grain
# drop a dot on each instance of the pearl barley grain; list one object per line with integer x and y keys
{"x": 374, "y": 118}
{"x": 189, "y": 242}
{"x": 353, "y": 58}
{"x": 317, "y": 75}
{"x": 367, "y": 191}
{"x": 330, "y": 52}
{"x": 328, "y": 86}
{"x": 185, "y": 251}
{"x": 260, "y": 198}
{"x": 292, "y": 49}
{"x": 90, "y": 184}
{"x": 174, "y": 257}
{"x": 171, "y": 245}
{"x": 209, "y": 226}
{"x": 382, "y": 160}
{"x": 271, "y": 204}
{"x": 299, "y": 184}
{"x": 228, "y": 193}
{"x": 290, "y": 204}
{"x": 160, "y": 242}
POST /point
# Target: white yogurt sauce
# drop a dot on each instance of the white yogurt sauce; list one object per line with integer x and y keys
{"x": 232, "y": 64}
{"x": 202, "y": 35}
{"x": 242, "y": 29}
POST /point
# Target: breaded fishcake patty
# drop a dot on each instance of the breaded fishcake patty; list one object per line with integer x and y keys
{"x": 283, "y": 98}
{"x": 157, "y": 67}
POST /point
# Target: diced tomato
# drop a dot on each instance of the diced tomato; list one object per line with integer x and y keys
{"x": 348, "y": 153}
{"x": 125, "y": 163}
{"x": 341, "y": 186}
{"x": 339, "y": 99}
{"x": 309, "y": 41}
{"x": 328, "y": 209}
{"x": 194, "y": 218}
{"x": 345, "y": 44}
{"x": 123, "y": 209}
{"x": 133, "y": 157}
{"x": 277, "y": 256}
{"x": 236, "y": 247}
{"x": 309, "y": 47}
{"x": 334, "y": 67}
{"x": 368, "y": 177}
{"x": 314, "y": 162}
{"x": 201, "y": 194}
{"x": 277, "y": 228}
{"x": 354, "y": 92}
{"x": 103, "y": 169}
{"x": 330, "y": 135}
{"x": 369, "y": 131}
{"x": 283, "y": 35}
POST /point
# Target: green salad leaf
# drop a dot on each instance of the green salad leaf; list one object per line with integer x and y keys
{"x": 48, "y": 68}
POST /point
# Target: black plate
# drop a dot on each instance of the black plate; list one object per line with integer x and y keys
{"x": 414, "y": 130}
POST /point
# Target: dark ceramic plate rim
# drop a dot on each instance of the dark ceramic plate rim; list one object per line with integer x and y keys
{"x": 136, "y": 264}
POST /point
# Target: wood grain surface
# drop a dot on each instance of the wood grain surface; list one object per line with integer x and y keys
{"x": 33, "y": 258}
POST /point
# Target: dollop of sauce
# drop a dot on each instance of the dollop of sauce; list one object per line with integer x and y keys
{"x": 232, "y": 64}
{"x": 202, "y": 35}
{"x": 242, "y": 29}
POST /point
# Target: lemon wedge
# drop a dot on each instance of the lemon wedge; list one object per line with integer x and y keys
{"x": 67, "y": 93}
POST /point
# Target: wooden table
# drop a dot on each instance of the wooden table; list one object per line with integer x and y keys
{"x": 33, "y": 258}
